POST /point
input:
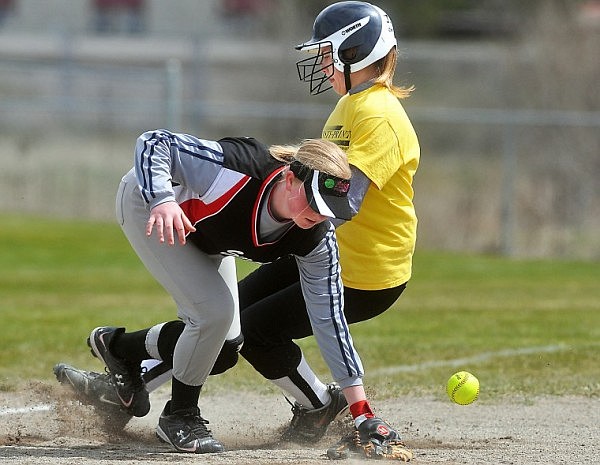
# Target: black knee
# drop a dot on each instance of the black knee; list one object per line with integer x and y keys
{"x": 169, "y": 334}
{"x": 273, "y": 362}
{"x": 228, "y": 356}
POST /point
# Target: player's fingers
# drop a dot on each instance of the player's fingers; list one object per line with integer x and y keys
{"x": 160, "y": 233}
{"x": 179, "y": 227}
{"x": 183, "y": 225}
{"x": 170, "y": 235}
{"x": 189, "y": 227}
{"x": 181, "y": 234}
{"x": 149, "y": 226}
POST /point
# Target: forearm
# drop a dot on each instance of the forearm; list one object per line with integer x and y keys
{"x": 324, "y": 302}
{"x": 152, "y": 165}
{"x": 354, "y": 394}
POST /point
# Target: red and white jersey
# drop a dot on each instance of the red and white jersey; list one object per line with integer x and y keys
{"x": 222, "y": 187}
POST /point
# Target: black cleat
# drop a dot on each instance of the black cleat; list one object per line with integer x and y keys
{"x": 310, "y": 425}
{"x": 126, "y": 376}
{"x": 186, "y": 431}
{"x": 94, "y": 389}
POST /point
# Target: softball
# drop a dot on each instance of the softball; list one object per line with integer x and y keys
{"x": 463, "y": 388}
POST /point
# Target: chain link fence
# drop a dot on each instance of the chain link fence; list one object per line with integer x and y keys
{"x": 501, "y": 172}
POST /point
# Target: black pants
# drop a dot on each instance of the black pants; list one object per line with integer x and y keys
{"x": 273, "y": 314}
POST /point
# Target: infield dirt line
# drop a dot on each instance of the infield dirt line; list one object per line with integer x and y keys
{"x": 461, "y": 362}
{"x": 18, "y": 410}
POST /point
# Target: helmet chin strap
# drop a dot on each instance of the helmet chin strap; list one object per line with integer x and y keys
{"x": 347, "y": 77}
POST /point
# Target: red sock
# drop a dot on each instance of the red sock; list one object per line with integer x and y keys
{"x": 361, "y": 408}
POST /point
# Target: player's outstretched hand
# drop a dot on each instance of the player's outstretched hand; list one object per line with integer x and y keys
{"x": 167, "y": 218}
{"x": 373, "y": 439}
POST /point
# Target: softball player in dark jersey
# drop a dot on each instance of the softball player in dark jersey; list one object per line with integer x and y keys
{"x": 207, "y": 202}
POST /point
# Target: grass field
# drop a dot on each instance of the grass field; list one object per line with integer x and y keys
{"x": 523, "y": 327}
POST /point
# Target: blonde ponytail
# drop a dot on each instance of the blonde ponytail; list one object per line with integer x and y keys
{"x": 386, "y": 68}
{"x": 316, "y": 154}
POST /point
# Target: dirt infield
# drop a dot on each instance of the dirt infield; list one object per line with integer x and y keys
{"x": 46, "y": 426}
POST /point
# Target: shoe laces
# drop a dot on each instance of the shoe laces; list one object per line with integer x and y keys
{"x": 138, "y": 381}
{"x": 136, "y": 376}
{"x": 196, "y": 423}
{"x": 104, "y": 377}
{"x": 298, "y": 411}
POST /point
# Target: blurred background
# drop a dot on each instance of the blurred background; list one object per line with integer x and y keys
{"x": 506, "y": 106}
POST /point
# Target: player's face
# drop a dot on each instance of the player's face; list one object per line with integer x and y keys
{"x": 301, "y": 212}
{"x": 337, "y": 78}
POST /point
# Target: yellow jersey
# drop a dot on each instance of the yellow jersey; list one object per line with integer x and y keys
{"x": 377, "y": 245}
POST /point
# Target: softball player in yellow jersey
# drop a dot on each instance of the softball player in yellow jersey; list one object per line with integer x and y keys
{"x": 377, "y": 246}
{"x": 353, "y": 51}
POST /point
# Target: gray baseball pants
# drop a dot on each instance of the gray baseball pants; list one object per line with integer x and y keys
{"x": 204, "y": 287}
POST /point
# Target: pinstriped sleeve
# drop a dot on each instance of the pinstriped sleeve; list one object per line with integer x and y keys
{"x": 153, "y": 168}
{"x": 164, "y": 159}
{"x": 320, "y": 278}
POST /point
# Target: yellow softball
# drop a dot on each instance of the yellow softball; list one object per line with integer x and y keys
{"x": 463, "y": 388}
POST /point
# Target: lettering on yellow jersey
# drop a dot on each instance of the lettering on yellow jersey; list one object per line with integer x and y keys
{"x": 338, "y": 135}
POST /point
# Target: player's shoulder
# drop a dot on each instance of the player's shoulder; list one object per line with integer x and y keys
{"x": 249, "y": 156}
{"x": 244, "y": 144}
{"x": 377, "y": 102}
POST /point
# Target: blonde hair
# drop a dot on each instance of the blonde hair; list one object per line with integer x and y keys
{"x": 316, "y": 154}
{"x": 386, "y": 68}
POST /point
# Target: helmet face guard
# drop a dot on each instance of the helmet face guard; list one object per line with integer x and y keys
{"x": 311, "y": 69}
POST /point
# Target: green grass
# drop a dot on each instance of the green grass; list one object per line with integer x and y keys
{"x": 523, "y": 327}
